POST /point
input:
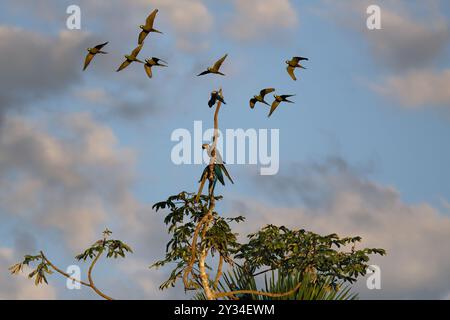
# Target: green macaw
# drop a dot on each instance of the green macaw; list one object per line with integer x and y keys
{"x": 219, "y": 169}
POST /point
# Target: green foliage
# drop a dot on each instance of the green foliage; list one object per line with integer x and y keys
{"x": 184, "y": 215}
{"x": 279, "y": 282}
{"x": 39, "y": 273}
{"x": 298, "y": 250}
{"x": 293, "y": 254}
{"x": 114, "y": 248}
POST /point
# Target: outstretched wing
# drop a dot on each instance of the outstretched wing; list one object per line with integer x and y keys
{"x": 100, "y": 46}
{"x": 203, "y": 73}
{"x": 142, "y": 35}
{"x": 148, "y": 70}
{"x": 151, "y": 19}
{"x": 88, "y": 60}
{"x": 290, "y": 70}
{"x": 253, "y": 102}
{"x": 157, "y": 60}
{"x": 275, "y": 104}
{"x": 285, "y": 96}
{"x": 124, "y": 64}
{"x": 263, "y": 92}
{"x": 298, "y": 59}
{"x": 218, "y": 63}
{"x": 136, "y": 51}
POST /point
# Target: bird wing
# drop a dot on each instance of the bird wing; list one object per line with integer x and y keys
{"x": 136, "y": 51}
{"x": 263, "y": 92}
{"x": 222, "y": 166}
{"x": 218, "y": 63}
{"x": 298, "y": 59}
{"x": 142, "y": 35}
{"x": 88, "y": 60}
{"x": 220, "y": 98}
{"x": 124, "y": 64}
{"x": 212, "y": 101}
{"x": 148, "y": 70}
{"x": 275, "y": 104}
{"x": 290, "y": 70}
{"x": 157, "y": 60}
{"x": 284, "y": 96}
{"x": 203, "y": 173}
{"x": 151, "y": 19}
{"x": 252, "y": 102}
{"x": 219, "y": 174}
{"x": 203, "y": 73}
{"x": 100, "y": 46}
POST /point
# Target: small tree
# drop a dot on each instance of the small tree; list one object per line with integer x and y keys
{"x": 306, "y": 265}
{"x": 44, "y": 267}
{"x": 199, "y": 232}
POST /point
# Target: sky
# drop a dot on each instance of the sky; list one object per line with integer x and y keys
{"x": 363, "y": 150}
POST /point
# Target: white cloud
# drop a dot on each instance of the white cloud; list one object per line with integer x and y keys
{"x": 418, "y": 89}
{"x": 69, "y": 182}
{"x": 415, "y": 235}
{"x": 188, "y": 20}
{"x": 19, "y": 287}
{"x": 258, "y": 18}
{"x": 412, "y": 35}
{"x": 27, "y": 56}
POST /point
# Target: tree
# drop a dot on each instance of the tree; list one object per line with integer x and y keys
{"x": 199, "y": 232}
{"x": 44, "y": 267}
{"x": 302, "y": 264}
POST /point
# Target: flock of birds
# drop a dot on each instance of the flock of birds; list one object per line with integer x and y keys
{"x": 146, "y": 29}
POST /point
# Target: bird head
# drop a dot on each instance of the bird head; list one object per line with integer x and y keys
{"x": 89, "y": 49}
{"x": 205, "y": 146}
{"x": 141, "y": 26}
{"x": 287, "y": 61}
{"x": 147, "y": 60}
{"x": 209, "y": 69}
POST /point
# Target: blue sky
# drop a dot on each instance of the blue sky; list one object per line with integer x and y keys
{"x": 371, "y": 110}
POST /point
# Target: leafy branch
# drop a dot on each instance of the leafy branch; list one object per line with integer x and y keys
{"x": 44, "y": 267}
{"x": 199, "y": 231}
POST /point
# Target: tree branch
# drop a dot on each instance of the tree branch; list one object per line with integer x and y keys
{"x": 261, "y": 293}
{"x": 62, "y": 272}
{"x": 91, "y": 281}
{"x": 219, "y": 273}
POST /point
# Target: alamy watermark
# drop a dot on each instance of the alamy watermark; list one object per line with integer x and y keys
{"x": 373, "y": 281}
{"x": 251, "y": 146}
{"x": 74, "y": 272}
{"x": 373, "y": 21}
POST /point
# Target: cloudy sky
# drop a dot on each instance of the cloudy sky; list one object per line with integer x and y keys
{"x": 363, "y": 151}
